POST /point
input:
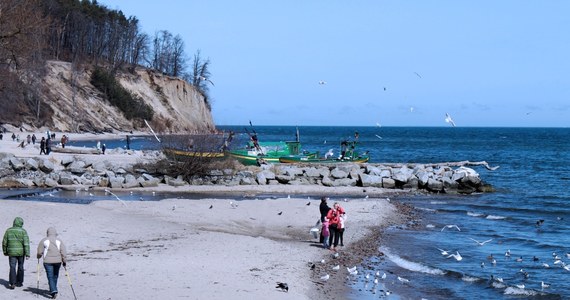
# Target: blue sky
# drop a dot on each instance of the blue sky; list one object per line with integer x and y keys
{"x": 396, "y": 63}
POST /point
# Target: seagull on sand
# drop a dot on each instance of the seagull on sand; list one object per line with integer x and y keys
{"x": 449, "y": 120}
{"x": 403, "y": 280}
{"x": 451, "y": 226}
{"x": 336, "y": 268}
{"x": 456, "y": 256}
{"x": 283, "y": 286}
{"x": 480, "y": 243}
{"x": 350, "y": 270}
{"x": 326, "y": 277}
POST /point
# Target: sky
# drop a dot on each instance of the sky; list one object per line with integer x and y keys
{"x": 390, "y": 63}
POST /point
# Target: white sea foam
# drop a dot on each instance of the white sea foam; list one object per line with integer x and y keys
{"x": 521, "y": 292}
{"x": 427, "y": 209}
{"x": 493, "y": 217}
{"x": 474, "y": 214}
{"x": 470, "y": 278}
{"x": 410, "y": 265}
{"x": 438, "y": 202}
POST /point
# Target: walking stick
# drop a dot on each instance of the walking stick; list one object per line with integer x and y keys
{"x": 38, "y": 283}
{"x": 71, "y": 285}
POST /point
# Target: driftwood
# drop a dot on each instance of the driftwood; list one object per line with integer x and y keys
{"x": 447, "y": 164}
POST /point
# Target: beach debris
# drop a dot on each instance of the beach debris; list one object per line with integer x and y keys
{"x": 233, "y": 204}
{"x": 283, "y": 286}
{"x": 308, "y": 203}
{"x": 280, "y": 213}
{"x": 211, "y": 206}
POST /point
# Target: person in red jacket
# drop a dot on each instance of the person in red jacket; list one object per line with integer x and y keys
{"x": 334, "y": 224}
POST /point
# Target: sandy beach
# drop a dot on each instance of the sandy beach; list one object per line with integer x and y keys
{"x": 197, "y": 249}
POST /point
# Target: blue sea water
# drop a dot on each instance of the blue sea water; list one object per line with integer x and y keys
{"x": 532, "y": 183}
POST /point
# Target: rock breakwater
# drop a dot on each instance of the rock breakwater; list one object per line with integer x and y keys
{"x": 77, "y": 170}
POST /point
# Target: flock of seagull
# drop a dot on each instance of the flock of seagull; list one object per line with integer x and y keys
{"x": 523, "y": 275}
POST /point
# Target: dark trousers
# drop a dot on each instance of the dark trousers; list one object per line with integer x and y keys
{"x": 333, "y": 238}
{"x": 340, "y": 235}
{"x": 16, "y": 270}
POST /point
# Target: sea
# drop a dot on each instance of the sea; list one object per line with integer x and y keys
{"x": 527, "y": 216}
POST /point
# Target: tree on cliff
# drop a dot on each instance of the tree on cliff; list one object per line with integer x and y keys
{"x": 22, "y": 42}
{"x": 200, "y": 77}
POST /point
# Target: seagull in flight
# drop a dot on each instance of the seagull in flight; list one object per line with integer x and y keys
{"x": 418, "y": 74}
{"x": 322, "y": 82}
{"x": 443, "y": 252}
{"x": 451, "y": 226}
{"x": 202, "y": 78}
{"x": 457, "y": 256}
{"x": 449, "y": 120}
{"x": 480, "y": 243}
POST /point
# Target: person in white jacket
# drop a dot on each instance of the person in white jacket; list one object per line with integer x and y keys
{"x": 52, "y": 250}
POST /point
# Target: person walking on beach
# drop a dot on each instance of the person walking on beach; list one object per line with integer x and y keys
{"x": 34, "y": 139}
{"x": 325, "y": 233}
{"x": 324, "y": 209}
{"x": 334, "y": 219}
{"x": 48, "y": 146}
{"x": 128, "y": 142}
{"x": 16, "y": 245}
{"x": 63, "y": 141}
{"x": 53, "y": 252}
{"x": 43, "y": 146}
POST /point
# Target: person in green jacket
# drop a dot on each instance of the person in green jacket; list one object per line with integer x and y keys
{"x": 16, "y": 245}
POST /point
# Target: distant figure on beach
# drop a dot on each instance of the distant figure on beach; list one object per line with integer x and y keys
{"x": 341, "y": 229}
{"x": 325, "y": 233}
{"x": 48, "y": 134}
{"x": 43, "y": 146}
{"x": 98, "y": 146}
{"x": 63, "y": 141}
{"x": 103, "y": 148}
{"x": 53, "y": 252}
{"x": 48, "y": 146}
{"x": 334, "y": 225}
{"x": 1, "y": 136}
{"x": 324, "y": 209}
{"x": 33, "y": 139}
{"x": 29, "y": 139}
{"x": 128, "y": 142}
{"x": 16, "y": 245}
{"x": 13, "y": 136}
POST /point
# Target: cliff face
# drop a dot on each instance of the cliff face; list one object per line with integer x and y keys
{"x": 79, "y": 106}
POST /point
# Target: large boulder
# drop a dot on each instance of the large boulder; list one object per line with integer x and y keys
{"x": 46, "y": 166}
{"x": 370, "y": 180}
{"x": 337, "y": 173}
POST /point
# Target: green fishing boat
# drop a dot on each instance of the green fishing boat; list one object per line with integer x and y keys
{"x": 257, "y": 153}
{"x": 348, "y": 153}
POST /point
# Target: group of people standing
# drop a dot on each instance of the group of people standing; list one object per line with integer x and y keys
{"x": 333, "y": 224}
{"x": 16, "y": 245}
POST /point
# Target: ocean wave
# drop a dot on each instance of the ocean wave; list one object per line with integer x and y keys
{"x": 427, "y": 209}
{"x": 467, "y": 278}
{"x": 520, "y": 292}
{"x": 410, "y": 265}
{"x": 494, "y": 217}
{"x": 474, "y": 214}
{"x": 437, "y": 202}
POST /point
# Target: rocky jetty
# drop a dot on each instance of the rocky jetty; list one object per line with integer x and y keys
{"x": 76, "y": 170}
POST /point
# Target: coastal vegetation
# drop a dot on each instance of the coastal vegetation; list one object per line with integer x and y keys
{"x": 87, "y": 35}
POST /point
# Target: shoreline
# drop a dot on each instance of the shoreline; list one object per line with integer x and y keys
{"x": 190, "y": 250}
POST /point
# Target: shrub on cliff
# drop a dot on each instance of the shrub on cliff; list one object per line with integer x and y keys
{"x": 133, "y": 107}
